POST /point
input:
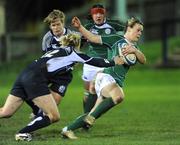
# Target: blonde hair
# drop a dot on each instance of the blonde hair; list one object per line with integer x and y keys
{"x": 55, "y": 14}
{"x": 131, "y": 22}
{"x": 71, "y": 39}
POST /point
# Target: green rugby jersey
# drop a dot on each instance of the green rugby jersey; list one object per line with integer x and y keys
{"x": 116, "y": 42}
{"x": 97, "y": 50}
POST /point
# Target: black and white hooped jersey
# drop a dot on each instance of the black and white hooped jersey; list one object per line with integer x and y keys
{"x": 51, "y": 42}
{"x": 61, "y": 60}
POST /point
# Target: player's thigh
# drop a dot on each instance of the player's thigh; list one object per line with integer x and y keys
{"x": 102, "y": 81}
{"x": 48, "y": 105}
{"x": 112, "y": 90}
{"x": 57, "y": 97}
{"x": 11, "y": 105}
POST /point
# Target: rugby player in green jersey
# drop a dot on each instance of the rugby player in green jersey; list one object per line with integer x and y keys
{"x": 108, "y": 84}
{"x": 98, "y": 25}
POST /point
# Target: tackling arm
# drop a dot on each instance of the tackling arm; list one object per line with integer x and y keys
{"x": 99, "y": 62}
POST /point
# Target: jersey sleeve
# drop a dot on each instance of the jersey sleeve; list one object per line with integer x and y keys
{"x": 99, "y": 62}
{"x": 46, "y": 42}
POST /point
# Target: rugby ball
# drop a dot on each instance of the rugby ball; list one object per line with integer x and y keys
{"x": 130, "y": 59}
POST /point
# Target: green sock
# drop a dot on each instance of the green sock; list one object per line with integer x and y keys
{"x": 77, "y": 123}
{"x": 103, "y": 107}
{"x": 89, "y": 103}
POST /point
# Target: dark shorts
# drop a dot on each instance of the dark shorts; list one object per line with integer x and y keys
{"x": 60, "y": 82}
{"x": 30, "y": 84}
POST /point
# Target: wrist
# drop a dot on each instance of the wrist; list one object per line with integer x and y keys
{"x": 136, "y": 51}
{"x": 80, "y": 27}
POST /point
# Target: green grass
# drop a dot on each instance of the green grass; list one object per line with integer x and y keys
{"x": 149, "y": 114}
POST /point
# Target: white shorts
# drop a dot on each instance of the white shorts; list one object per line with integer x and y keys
{"x": 90, "y": 71}
{"x": 102, "y": 80}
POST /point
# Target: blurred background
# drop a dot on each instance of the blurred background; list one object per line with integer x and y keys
{"x": 22, "y": 27}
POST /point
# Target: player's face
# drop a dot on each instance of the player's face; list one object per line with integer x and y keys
{"x": 136, "y": 32}
{"x": 57, "y": 27}
{"x": 98, "y": 18}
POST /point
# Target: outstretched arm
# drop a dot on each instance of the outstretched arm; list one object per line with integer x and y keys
{"x": 87, "y": 34}
{"x": 100, "y": 62}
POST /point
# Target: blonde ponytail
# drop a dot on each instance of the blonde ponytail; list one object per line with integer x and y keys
{"x": 71, "y": 39}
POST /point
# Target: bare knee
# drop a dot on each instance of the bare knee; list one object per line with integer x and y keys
{"x": 118, "y": 99}
{"x": 5, "y": 114}
{"x": 54, "y": 117}
{"x": 57, "y": 97}
{"x": 58, "y": 100}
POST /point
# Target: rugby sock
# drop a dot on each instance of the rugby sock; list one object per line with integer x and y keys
{"x": 89, "y": 102}
{"x": 103, "y": 107}
{"x": 40, "y": 113}
{"x": 34, "y": 107}
{"x": 77, "y": 123}
{"x": 86, "y": 94}
{"x": 39, "y": 122}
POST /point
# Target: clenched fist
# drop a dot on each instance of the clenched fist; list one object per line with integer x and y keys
{"x": 76, "y": 22}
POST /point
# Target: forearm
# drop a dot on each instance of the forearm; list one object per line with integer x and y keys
{"x": 99, "y": 62}
{"x": 140, "y": 56}
{"x": 88, "y": 35}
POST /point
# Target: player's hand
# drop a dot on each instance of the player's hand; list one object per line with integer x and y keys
{"x": 118, "y": 60}
{"x": 128, "y": 49}
{"x": 76, "y": 22}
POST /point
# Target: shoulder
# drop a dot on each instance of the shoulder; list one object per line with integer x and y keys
{"x": 48, "y": 35}
{"x": 116, "y": 24}
{"x": 67, "y": 30}
{"x": 113, "y": 36}
{"x": 111, "y": 40}
{"x": 122, "y": 42}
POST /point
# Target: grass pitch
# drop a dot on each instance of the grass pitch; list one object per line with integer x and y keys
{"x": 149, "y": 114}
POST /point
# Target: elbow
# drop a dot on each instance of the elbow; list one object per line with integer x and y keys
{"x": 142, "y": 61}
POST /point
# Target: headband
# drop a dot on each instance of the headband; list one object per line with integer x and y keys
{"x": 98, "y": 10}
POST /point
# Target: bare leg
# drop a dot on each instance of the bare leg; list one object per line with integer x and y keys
{"x": 11, "y": 105}
{"x": 113, "y": 91}
{"x": 113, "y": 95}
{"x": 48, "y": 106}
{"x": 56, "y": 97}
